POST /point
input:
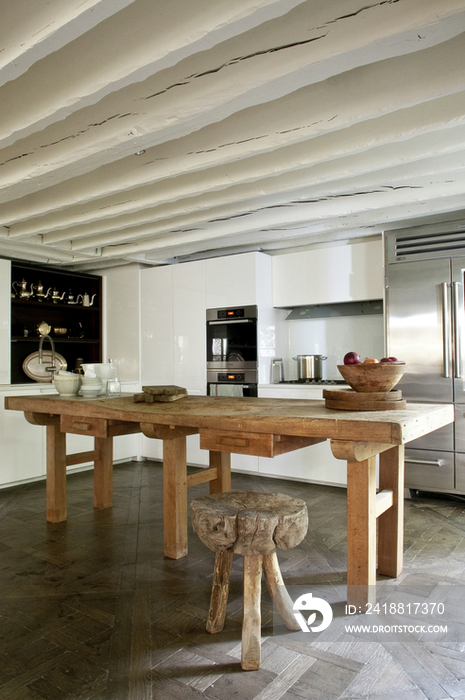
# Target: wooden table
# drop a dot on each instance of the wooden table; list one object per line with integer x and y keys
{"x": 254, "y": 426}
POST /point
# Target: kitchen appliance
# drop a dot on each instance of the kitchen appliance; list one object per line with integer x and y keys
{"x": 234, "y": 383}
{"x": 232, "y": 351}
{"x": 425, "y": 324}
{"x": 310, "y": 366}
{"x": 277, "y": 370}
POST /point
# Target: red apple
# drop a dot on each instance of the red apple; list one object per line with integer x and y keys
{"x": 352, "y": 358}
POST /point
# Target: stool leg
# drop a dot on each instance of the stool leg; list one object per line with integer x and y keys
{"x": 220, "y": 590}
{"x": 278, "y": 591}
{"x": 251, "y": 614}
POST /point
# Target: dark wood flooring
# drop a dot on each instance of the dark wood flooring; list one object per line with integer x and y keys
{"x": 90, "y": 608}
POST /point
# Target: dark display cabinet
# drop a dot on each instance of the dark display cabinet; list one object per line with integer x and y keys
{"x": 69, "y": 303}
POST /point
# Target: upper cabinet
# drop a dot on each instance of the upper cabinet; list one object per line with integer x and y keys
{"x": 67, "y": 306}
{"x": 351, "y": 272}
{"x": 233, "y": 280}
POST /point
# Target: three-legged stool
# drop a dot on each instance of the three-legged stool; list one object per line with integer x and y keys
{"x": 252, "y": 524}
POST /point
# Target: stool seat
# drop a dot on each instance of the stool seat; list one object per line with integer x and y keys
{"x": 253, "y": 524}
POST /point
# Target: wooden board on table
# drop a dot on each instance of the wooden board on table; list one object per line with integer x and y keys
{"x": 160, "y": 394}
{"x": 350, "y": 400}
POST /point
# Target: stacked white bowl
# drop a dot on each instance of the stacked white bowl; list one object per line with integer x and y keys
{"x": 102, "y": 370}
{"x": 91, "y": 385}
{"x": 67, "y": 383}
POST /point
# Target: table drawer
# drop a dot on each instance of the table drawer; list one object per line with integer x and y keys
{"x": 247, "y": 443}
{"x": 97, "y": 427}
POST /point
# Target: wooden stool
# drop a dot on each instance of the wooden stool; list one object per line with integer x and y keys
{"x": 253, "y": 524}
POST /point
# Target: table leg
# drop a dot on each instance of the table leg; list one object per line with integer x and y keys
{"x": 222, "y": 461}
{"x": 175, "y": 497}
{"x": 103, "y": 473}
{"x": 361, "y": 533}
{"x": 56, "y": 473}
{"x": 391, "y": 522}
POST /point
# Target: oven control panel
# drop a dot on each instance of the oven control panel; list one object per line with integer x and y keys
{"x": 231, "y": 377}
{"x": 231, "y": 313}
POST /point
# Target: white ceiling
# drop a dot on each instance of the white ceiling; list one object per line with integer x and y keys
{"x": 151, "y": 130}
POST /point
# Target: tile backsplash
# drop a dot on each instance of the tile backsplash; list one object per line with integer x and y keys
{"x": 333, "y": 337}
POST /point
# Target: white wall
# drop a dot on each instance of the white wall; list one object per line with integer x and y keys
{"x": 333, "y": 337}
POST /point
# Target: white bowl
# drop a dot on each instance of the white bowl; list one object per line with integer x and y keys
{"x": 89, "y": 393}
{"x": 92, "y": 381}
{"x": 67, "y": 385}
{"x": 103, "y": 370}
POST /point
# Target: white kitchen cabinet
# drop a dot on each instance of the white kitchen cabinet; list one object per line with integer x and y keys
{"x": 5, "y": 303}
{"x": 189, "y": 329}
{"x": 156, "y": 325}
{"x": 351, "y": 272}
{"x": 23, "y": 446}
{"x": 315, "y": 464}
{"x": 173, "y": 338}
{"x": 121, "y": 319}
{"x": 174, "y": 300}
{"x": 231, "y": 280}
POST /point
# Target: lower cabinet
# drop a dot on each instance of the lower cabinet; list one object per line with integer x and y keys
{"x": 23, "y": 446}
{"x": 315, "y": 464}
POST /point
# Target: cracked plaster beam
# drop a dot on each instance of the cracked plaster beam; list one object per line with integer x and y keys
{"x": 397, "y": 129}
{"x": 381, "y": 165}
{"x": 209, "y": 100}
{"x": 354, "y": 101}
{"x": 339, "y": 228}
{"x": 44, "y": 28}
{"x": 353, "y": 206}
{"x": 128, "y": 47}
{"x": 414, "y": 176}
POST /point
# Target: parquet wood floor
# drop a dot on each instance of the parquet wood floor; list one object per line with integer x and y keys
{"x": 90, "y": 608}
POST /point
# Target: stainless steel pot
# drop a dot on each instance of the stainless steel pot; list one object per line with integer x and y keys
{"x": 310, "y": 366}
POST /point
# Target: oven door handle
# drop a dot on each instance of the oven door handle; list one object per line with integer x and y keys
{"x": 230, "y": 322}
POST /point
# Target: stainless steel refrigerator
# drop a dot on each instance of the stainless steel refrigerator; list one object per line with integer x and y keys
{"x": 425, "y": 270}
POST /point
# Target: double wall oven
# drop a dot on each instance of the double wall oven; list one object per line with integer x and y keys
{"x": 232, "y": 353}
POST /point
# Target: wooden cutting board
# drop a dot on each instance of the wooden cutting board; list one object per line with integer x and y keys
{"x": 350, "y": 400}
{"x": 160, "y": 394}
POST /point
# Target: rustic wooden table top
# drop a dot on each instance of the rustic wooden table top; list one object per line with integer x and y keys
{"x": 263, "y": 415}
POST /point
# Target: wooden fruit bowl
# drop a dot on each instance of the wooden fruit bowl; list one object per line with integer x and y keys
{"x": 378, "y": 376}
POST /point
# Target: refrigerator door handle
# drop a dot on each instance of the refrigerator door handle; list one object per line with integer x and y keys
{"x": 457, "y": 316}
{"x": 425, "y": 462}
{"x": 446, "y": 331}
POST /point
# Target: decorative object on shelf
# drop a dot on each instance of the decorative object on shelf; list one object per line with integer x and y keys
{"x": 36, "y": 370}
{"x": 54, "y": 303}
{"x": 87, "y": 300}
{"x": 40, "y": 294}
{"x": 43, "y": 328}
{"x": 20, "y": 289}
{"x": 56, "y": 296}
